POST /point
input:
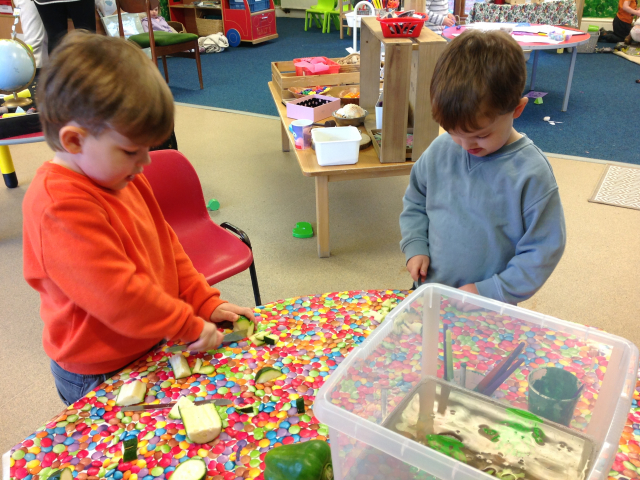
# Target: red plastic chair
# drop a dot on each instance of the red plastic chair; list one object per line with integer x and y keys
{"x": 215, "y": 252}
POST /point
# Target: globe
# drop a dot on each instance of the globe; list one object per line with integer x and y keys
{"x": 18, "y": 70}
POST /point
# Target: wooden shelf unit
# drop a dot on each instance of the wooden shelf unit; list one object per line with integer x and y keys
{"x": 408, "y": 67}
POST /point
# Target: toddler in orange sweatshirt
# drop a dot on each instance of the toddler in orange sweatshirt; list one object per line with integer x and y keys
{"x": 113, "y": 278}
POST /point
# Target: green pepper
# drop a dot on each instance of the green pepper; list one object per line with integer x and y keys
{"x": 299, "y": 461}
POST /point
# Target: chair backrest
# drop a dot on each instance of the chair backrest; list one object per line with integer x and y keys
{"x": 137, "y": 6}
{"x": 177, "y": 187}
{"x": 133, "y": 6}
{"x": 327, "y": 4}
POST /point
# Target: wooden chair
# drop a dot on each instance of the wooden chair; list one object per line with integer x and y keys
{"x": 161, "y": 43}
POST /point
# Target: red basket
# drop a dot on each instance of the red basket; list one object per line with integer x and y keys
{"x": 403, "y": 27}
{"x": 333, "y": 67}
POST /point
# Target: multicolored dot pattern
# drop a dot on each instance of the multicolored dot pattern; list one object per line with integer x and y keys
{"x": 315, "y": 335}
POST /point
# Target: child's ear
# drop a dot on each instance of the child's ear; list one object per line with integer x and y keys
{"x": 72, "y": 138}
{"x": 523, "y": 103}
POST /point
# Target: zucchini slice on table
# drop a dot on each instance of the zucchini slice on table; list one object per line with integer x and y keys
{"x": 202, "y": 423}
{"x": 180, "y": 366}
{"x": 300, "y": 405}
{"x": 197, "y": 366}
{"x": 243, "y": 323}
{"x": 267, "y": 374}
{"x": 246, "y": 409}
{"x": 271, "y": 339}
{"x": 183, "y": 402}
{"x": 64, "y": 474}
{"x": 130, "y": 452}
{"x": 207, "y": 370}
{"x": 194, "y": 469}
{"x": 257, "y": 339}
{"x": 131, "y": 393}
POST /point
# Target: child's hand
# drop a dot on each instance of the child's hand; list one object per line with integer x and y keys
{"x": 230, "y": 313}
{"x": 210, "y": 339}
{"x": 417, "y": 267}
{"x": 466, "y": 307}
{"x": 449, "y": 21}
{"x": 470, "y": 287}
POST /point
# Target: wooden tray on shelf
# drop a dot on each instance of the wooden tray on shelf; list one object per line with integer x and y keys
{"x": 284, "y": 76}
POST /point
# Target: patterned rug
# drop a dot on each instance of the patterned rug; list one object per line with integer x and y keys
{"x": 618, "y": 186}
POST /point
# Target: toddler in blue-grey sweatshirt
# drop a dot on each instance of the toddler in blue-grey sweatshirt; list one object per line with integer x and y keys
{"x": 482, "y": 210}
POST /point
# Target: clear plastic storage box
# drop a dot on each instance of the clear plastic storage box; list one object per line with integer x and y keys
{"x": 369, "y": 400}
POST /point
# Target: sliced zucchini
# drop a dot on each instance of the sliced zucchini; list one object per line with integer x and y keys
{"x": 196, "y": 367}
{"x": 180, "y": 366}
{"x": 183, "y": 402}
{"x": 194, "y": 469}
{"x": 300, "y": 405}
{"x": 248, "y": 409}
{"x": 131, "y": 393}
{"x": 257, "y": 340}
{"x": 388, "y": 303}
{"x": 202, "y": 423}
{"x": 131, "y": 442}
{"x": 207, "y": 370}
{"x": 130, "y": 449}
{"x": 271, "y": 339}
{"x": 64, "y": 474}
{"x": 267, "y": 374}
{"x": 243, "y": 323}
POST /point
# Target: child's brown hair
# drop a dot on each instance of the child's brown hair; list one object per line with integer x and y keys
{"x": 480, "y": 75}
{"x": 100, "y": 83}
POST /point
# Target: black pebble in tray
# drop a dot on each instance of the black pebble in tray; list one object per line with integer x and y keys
{"x": 313, "y": 102}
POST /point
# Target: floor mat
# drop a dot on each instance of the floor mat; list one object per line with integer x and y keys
{"x": 631, "y": 58}
{"x": 618, "y": 186}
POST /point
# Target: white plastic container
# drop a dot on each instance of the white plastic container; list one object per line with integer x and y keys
{"x": 336, "y": 145}
{"x": 360, "y": 444}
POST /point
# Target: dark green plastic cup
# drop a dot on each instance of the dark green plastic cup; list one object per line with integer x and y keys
{"x": 553, "y": 394}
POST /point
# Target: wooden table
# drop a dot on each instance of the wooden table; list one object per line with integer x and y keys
{"x": 368, "y": 166}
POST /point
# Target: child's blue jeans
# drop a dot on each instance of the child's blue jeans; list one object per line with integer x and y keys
{"x": 73, "y": 386}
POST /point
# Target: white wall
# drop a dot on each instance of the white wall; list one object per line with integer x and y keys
{"x": 606, "y": 23}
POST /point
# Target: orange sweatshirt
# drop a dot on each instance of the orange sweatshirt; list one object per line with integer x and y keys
{"x": 112, "y": 276}
{"x": 625, "y": 16}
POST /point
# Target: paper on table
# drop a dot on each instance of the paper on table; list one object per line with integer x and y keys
{"x": 535, "y": 39}
{"x": 491, "y": 26}
{"x": 546, "y": 29}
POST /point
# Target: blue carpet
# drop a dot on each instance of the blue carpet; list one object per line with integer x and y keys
{"x": 237, "y": 78}
{"x": 594, "y": 125}
{"x": 603, "y": 93}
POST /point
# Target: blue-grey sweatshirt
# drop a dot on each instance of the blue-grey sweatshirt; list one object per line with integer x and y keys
{"x": 495, "y": 221}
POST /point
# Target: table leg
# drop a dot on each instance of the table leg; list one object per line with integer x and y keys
{"x": 6, "y": 167}
{"x": 340, "y": 17}
{"x": 533, "y": 69}
{"x": 285, "y": 138}
{"x": 355, "y": 38}
{"x": 322, "y": 215}
{"x": 567, "y": 92}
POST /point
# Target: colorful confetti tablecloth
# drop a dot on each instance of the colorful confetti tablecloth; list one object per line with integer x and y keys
{"x": 316, "y": 333}
{"x": 561, "y": 12}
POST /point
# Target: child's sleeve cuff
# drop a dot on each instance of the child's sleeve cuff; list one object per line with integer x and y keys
{"x": 489, "y": 288}
{"x": 416, "y": 248}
